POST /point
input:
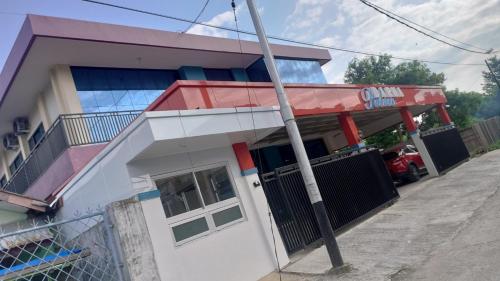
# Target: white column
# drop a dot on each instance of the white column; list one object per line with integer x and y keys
{"x": 5, "y": 164}
{"x": 64, "y": 89}
{"x": 42, "y": 109}
{"x": 261, "y": 206}
{"x": 424, "y": 153}
{"x": 258, "y": 197}
{"x": 23, "y": 146}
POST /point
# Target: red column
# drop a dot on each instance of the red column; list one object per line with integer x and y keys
{"x": 350, "y": 129}
{"x": 407, "y": 117}
{"x": 443, "y": 114}
{"x": 244, "y": 158}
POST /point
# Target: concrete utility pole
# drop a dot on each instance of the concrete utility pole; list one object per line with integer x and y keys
{"x": 492, "y": 73}
{"x": 297, "y": 144}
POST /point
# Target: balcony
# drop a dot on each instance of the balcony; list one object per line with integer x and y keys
{"x": 68, "y": 131}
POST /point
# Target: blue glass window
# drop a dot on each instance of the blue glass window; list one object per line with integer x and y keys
{"x": 300, "y": 71}
{"x": 3, "y": 181}
{"x": 116, "y": 89}
{"x": 257, "y": 72}
{"x": 36, "y": 137}
{"x": 14, "y": 166}
{"x": 290, "y": 70}
{"x": 216, "y": 74}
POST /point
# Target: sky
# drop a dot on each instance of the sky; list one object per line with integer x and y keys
{"x": 340, "y": 23}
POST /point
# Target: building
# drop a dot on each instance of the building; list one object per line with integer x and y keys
{"x": 95, "y": 114}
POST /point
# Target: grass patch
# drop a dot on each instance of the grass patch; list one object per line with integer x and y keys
{"x": 494, "y": 146}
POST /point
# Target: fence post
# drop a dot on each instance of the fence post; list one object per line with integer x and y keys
{"x": 113, "y": 246}
{"x": 133, "y": 241}
{"x": 479, "y": 133}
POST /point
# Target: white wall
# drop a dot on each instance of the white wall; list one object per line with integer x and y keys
{"x": 35, "y": 119}
{"x": 237, "y": 252}
{"x": 241, "y": 251}
{"x": 50, "y": 102}
{"x": 104, "y": 182}
{"x": 11, "y": 155}
{"x": 2, "y": 166}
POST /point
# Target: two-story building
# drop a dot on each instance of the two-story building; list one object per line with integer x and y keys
{"x": 92, "y": 114}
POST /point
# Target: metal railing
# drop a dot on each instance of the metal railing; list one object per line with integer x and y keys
{"x": 92, "y": 128}
{"x": 352, "y": 184}
{"x": 68, "y": 130}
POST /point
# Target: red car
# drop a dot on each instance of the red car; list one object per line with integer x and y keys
{"x": 404, "y": 163}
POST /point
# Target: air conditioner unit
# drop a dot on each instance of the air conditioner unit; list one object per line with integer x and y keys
{"x": 21, "y": 126}
{"x": 10, "y": 141}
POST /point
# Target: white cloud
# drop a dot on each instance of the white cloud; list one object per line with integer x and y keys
{"x": 219, "y": 20}
{"x": 460, "y": 19}
{"x": 307, "y": 14}
{"x": 352, "y": 25}
{"x": 225, "y": 19}
{"x": 329, "y": 41}
{"x": 359, "y": 27}
{"x": 339, "y": 21}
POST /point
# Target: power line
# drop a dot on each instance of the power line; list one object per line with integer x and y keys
{"x": 276, "y": 37}
{"x": 420, "y": 31}
{"x": 428, "y": 29}
{"x": 197, "y": 17}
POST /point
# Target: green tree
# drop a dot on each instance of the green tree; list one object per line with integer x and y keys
{"x": 490, "y": 87}
{"x": 370, "y": 70}
{"x": 380, "y": 70}
{"x": 491, "y": 104}
{"x": 416, "y": 73}
{"x": 386, "y": 138}
{"x": 462, "y": 108}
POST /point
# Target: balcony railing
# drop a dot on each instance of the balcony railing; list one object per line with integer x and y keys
{"x": 68, "y": 130}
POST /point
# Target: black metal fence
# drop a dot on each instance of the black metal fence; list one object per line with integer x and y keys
{"x": 446, "y": 147}
{"x": 68, "y": 130}
{"x": 351, "y": 186}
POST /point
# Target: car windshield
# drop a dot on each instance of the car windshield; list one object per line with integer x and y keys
{"x": 390, "y": 155}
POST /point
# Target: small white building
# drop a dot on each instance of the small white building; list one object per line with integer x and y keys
{"x": 202, "y": 211}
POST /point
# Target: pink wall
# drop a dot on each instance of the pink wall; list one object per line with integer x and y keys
{"x": 68, "y": 164}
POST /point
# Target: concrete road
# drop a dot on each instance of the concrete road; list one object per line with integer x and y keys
{"x": 445, "y": 228}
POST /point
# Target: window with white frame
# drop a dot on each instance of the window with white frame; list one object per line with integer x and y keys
{"x": 202, "y": 200}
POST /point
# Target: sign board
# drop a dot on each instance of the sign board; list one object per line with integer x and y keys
{"x": 377, "y": 97}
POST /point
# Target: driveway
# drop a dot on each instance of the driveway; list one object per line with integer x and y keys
{"x": 445, "y": 228}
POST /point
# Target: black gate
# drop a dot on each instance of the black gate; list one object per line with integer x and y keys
{"x": 351, "y": 187}
{"x": 446, "y": 147}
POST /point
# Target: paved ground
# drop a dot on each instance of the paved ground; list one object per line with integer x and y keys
{"x": 446, "y": 228}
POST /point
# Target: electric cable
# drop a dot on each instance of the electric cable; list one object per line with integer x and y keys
{"x": 233, "y": 6}
{"x": 197, "y": 17}
{"x": 276, "y": 37}
{"x": 426, "y": 28}
{"x": 422, "y": 32}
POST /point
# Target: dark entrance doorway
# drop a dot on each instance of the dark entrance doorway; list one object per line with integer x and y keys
{"x": 352, "y": 186}
{"x": 269, "y": 158}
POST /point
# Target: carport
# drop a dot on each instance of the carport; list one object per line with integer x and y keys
{"x": 355, "y": 183}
